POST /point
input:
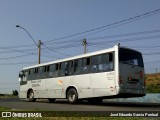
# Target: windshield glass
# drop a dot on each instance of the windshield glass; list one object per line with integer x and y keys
{"x": 130, "y": 57}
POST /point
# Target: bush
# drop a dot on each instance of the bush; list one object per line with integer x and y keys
{"x": 15, "y": 93}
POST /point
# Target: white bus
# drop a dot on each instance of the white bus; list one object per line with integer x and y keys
{"x": 116, "y": 72}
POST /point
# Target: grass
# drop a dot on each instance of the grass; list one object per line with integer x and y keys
{"x": 153, "y": 83}
{"x": 4, "y": 109}
{"x": 6, "y": 95}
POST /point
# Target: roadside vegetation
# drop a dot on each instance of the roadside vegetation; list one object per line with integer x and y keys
{"x": 153, "y": 83}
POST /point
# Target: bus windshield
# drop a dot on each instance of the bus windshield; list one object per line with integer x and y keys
{"x": 130, "y": 57}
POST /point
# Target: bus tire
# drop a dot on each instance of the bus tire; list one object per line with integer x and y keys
{"x": 72, "y": 96}
{"x": 51, "y": 100}
{"x": 31, "y": 96}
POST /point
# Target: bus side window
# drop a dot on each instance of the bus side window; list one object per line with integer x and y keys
{"x": 66, "y": 69}
{"x": 52, "y": 69}
{"x": 29, "y": 74}
{"x": 94, "y": 66}
{"x": 75, "y": 67}
{"x": 99, "y": 63}
{"x": 102, "y": 63}
{"x": 40, "y": 73}
{"x": 86, "y": 65}
{"x": 110, "y": 57}
{"x": 43, "y": 75}
{"x": 70, "y": 68}
{"x": 47, "y": 70}
{"x": 80, "y": 66}
{"x": 60, "y": 70}
{"x": 56, "y": 70}
{"x": 32, "y": 75}
{"x": 35, "y": 73}
{"x": 63, "y": 70}
{"x": 107, "y": 62}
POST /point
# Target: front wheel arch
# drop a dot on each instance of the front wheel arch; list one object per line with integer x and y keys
{"x": 29, "y": 94}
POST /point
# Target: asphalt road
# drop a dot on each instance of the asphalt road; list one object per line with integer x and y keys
{"x": 63, "y": 105}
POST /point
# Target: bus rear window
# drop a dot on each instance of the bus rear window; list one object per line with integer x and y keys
{"x": 130, "y": 57}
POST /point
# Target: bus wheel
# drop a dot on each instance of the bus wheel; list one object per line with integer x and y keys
{"x": 51, "y": 100}
{"x": 31, "y": 96}
{"x": 72, "y": 96}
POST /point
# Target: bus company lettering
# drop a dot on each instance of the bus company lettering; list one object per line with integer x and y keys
{"x": 35, "y": 83}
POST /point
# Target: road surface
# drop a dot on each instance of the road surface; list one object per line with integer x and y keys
{"x": 63, "y": 105}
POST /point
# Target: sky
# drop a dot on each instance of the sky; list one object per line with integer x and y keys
{"x": 54, "y": 21}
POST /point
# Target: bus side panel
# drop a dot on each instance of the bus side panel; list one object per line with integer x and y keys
{"x": 23, "y": 91}
{"x": 103, "y": 84}
{"x": 82, "y": 82}
{"x": 54, "y": 87}
{"x": 38, "y": 87}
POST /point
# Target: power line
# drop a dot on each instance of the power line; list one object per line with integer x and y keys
{"x": 73, "y": 43}
{"x": 13, "y": 57}
{"x": 152, "y": 53}
{"x": 55, "y": 51}
{"x": 109, "y": 25}
{"x": 18, "y": 46}
{"x": 153, "y": 61}
{"x": 65, "y": 46}
{"x": 125, "y": 40}
{"x": 119, "y": 22}
{"x": 20, "y": 63}
{"x": 126, "y": 34}
{"x": 145, "y": 46}
{"x": 6, "y": 50}
{"x": 102, "y": 27}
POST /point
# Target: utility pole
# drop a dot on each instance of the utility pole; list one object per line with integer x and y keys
{"x": 39, "y": 51}
{"x": 84, "y": 44}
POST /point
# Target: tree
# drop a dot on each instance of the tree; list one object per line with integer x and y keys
{"x": 15, "y": 92}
